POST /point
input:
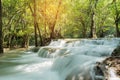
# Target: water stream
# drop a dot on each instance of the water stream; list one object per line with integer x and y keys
{"x": 68, "y": 59}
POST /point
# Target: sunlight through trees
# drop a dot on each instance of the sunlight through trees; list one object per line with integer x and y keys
{"x": 37, "y": 22}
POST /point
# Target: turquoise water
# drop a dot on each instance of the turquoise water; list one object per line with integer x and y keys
{"x": 22, "y": 66}
{"x": 61, "y": 60}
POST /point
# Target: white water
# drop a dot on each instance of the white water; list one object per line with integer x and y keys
{"x": 61, "y": 60}
{"x": 112, "y": 74}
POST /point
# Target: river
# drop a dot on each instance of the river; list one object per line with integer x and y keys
{"x": 63, "y": 59}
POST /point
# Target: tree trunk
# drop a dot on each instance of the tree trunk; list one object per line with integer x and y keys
{"x": 9, "y": 41}
{"x": 52, "y": 31}
{"x": 117, "y": 29}
{"x": 84, "y": 27}
{"x": 40, "y": 36}
{"x": 117, "y": 19}
{"x": 93, "y": 26}
{"x": 52, "y": 27}
{"x": 84, "y": 32}
{"x": 45, "y": 20}
{"x": 1, "y": 35}
{"x": 35, "y": 25}
{"x": 12, "y": 42}
{"x": 25, "y": 42}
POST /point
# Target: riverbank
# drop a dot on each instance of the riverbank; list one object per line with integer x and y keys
{"x": 9, "y": 51}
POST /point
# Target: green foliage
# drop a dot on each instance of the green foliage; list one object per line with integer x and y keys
{"x": 73, "y": 18}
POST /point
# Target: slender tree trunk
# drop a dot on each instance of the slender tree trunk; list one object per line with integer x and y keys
{"x": 9, "y": 41}
{"x": 35, "y": 25}
{"x": 52, "y": 27}
{"x": 45, "y": 21}
{"x": 25, "y": 42}
{"x": 117, "y": 29}
{"x": 40, "y": 36}
{"x": 117, "y": 19}
{"x": 93, "y": 26}
{"x": 12, "y": 43}
{"x": 84, "y": 32}
{"x": 1, "y": 35}
{"x": 101, "y": 27}
{"x": 52, "y": 36}
{"x": 84, "y": 27}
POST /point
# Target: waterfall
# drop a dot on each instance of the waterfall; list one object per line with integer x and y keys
{"x": 98, "y": 48}
{"x": 76, "y": 59}
{"x": 64, "y": 59}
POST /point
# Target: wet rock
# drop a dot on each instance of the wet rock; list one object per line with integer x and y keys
{"x": 34, "y": 49}
{"x": 108, "y": 64}
{"x": 116, "y": 52}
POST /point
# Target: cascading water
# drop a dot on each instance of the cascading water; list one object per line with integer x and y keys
{"x": 72, "y": 59}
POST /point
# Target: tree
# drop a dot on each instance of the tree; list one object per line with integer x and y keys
{"x": 57, "y": 19}
{"x": 35, "y": 24}
{"x": 17, "y": 23}
{"x": 52, "y": 25}
{"x": 93, "y": 5}
{"x": 1, "y": 35}
{"x": 117, "y": 17}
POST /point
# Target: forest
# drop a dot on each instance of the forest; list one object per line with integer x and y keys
{"x": 37, "y": 22}
{"x": 59, "y": 40}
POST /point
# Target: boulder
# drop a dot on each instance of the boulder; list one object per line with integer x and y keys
{"x": 110, "y": 68}
{"x": 116, "y": 51}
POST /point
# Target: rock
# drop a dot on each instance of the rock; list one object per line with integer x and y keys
{"x": 110, "y": 66}
{"x": 34, "y": 49}
{"x": 116, "y": 52}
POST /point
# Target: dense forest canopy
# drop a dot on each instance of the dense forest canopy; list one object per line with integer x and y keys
{"x": 26, "y": 22}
